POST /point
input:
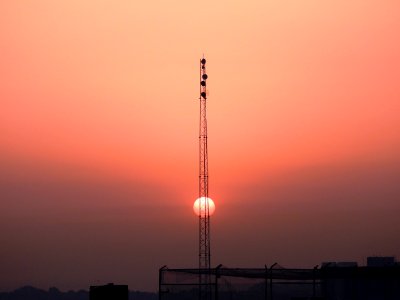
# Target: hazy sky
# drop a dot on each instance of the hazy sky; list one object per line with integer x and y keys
{"x": 99, "y": 120}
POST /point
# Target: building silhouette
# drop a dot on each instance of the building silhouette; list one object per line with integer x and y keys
{"x": 109, "y": 292}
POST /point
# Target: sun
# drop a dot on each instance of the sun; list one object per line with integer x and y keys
{"x": 201, "y": 202}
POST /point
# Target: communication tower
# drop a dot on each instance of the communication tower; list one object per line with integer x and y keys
{"x": 204, "y": 209}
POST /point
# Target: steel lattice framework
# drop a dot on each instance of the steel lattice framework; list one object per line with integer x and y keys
{"x": 204, "y": 212}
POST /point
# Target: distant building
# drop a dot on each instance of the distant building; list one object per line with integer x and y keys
{"x": 109, "y": 292}
{"x": 381, "y": 261}
{"x": 380, "y": 279}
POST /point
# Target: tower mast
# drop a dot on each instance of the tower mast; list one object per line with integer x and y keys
{"x": 204, "y": 214}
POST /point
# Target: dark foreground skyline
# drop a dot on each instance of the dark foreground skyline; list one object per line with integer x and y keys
{"x": 378, "y": 280}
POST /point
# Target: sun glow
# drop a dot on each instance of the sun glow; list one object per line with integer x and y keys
{"x": 200, "y": 204}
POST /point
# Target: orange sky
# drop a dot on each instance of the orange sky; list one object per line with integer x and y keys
{"x": 99, "y": 124}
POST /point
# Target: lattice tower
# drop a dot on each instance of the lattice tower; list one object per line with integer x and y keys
{"x": 204, "y": 214}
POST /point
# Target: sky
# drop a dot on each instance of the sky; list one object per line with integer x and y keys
{"x": 99, "y": 116}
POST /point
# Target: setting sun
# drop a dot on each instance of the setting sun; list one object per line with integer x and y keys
{"x": 201, "y": 202}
